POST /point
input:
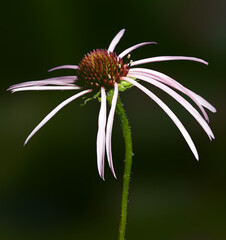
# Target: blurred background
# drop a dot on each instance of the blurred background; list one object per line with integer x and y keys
{"x": 50, "y": 189}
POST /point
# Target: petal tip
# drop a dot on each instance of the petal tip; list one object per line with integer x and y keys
{"x": 10, "y": 89}
{"x": 214, "y": 110}
{"x": 197, "y": 157}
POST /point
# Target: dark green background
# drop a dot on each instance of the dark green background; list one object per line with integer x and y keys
{"x": 50, "y": 189}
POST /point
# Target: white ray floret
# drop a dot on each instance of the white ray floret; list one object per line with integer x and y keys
{"x": 54, "y": 111}
{"x": 75, "y": 67}
{"x": 167, "y": 110}
{"x": 203, "y": 101}
{"x": 180, "y": 99}
{"x": 109, "y": 129}
{"x": 41, "y": 88}
{"x": 101, "y": 134}
{"x": 66, "y": 80}
{"x": 115, "y": 40}
{"x": 167, "y": 58}
{"x": 172, "y": 83}
{"x": 129, "y": 50}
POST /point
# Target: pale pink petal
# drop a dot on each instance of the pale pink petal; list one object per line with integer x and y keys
{"x": 167, "y": 58}
{"x": 203, "y": 102}
{"x": 41, "y": 88}
{"x": 115, "y": 40}
{"x": 54, "y": 111}
{"x": 65, "y": 80}
{"x": 180, "y": 99}
{"x": 171, "y": 82}
{"x": 128, "y": 50}
{"x": 109, "y": 129}
{"x": 168, "y": 112}
{"x": 63, "y": 67}
{"x": 101, "y": 134}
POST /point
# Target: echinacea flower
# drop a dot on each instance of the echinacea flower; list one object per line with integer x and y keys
{"x": 103, "y": 70}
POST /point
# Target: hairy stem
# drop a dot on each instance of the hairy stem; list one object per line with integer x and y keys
{"x": 128, "y": 162}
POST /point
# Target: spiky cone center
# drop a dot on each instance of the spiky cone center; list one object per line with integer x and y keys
{"x": 101, "y": 68}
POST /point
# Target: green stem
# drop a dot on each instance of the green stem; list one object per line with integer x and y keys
{"x": 128, "y": 162}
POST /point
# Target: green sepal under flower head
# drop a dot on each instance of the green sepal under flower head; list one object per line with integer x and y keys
{"x": 95, "y": 96}
{"x": 122, "y": 86}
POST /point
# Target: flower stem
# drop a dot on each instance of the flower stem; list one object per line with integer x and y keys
{"x": 128, "y": 163}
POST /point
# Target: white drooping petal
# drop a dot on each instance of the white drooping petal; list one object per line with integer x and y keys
{"x": 180, "y": 99}
{"x": 167, "y": 58}
{"x": 54, "y": 111}
{"x": 109, "y": 129}
{"x": 63, "y": 67}
{"x": 168, "y": 112}
{"x": 203, "y": 101}
{"x": 173, "y": 83}
{"x": 115, "y": 40}
{"x": 41, "y": 88}
{"x": 100, "y": 145}
{"x": 65, "y": 80}
{"x": 128, "y": 50}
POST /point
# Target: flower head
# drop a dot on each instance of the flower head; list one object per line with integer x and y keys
{"x": 102, "y": 70}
